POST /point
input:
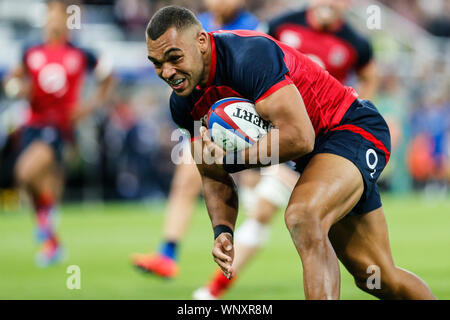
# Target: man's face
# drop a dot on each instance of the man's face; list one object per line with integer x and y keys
{"x": 178, "y": 57}
{"x": 328, "y": 11}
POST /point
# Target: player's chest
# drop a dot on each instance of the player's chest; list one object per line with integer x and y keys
{"x": 327, "y": 50}
{"x": 60, "y": 64}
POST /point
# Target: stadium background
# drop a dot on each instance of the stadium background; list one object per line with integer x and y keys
{"x": 119, "y": 172}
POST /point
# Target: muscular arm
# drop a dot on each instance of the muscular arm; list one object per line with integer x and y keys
{"x": 367, "y": 81}
{"x": 221, "y": 200}
{"x": 219, "y": 190}
{"x": 286, "y": 111}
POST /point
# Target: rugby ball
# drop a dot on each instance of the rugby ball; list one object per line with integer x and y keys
{"x": 234, "y": 124}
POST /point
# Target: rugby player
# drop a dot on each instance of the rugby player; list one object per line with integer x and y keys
{"x": 186, "y": 184}
{"x": 321, "y": 33}
{"x": 340, "y": 145}
{"x": 55, "y": 70}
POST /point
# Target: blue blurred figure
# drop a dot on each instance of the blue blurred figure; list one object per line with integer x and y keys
{"x": 227, "y": 15}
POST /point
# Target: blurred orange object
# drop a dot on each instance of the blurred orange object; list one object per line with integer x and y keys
{"x": 419, "y": 157}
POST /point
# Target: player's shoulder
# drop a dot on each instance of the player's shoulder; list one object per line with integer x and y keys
{"x": 244, "y": 51}
{"x": 244, "y": 45}
{"x": 89, "y": 54}
{"x": 296, "y": 17}
{"x": 30, "y": 46}
{"x": 249, "y": 62}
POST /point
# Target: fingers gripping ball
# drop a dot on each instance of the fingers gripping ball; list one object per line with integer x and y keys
{"x": 235, "y": 125}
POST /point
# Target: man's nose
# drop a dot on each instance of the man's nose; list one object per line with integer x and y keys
{"x": 167, "y": 71}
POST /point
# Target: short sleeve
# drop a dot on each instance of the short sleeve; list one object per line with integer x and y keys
{"x": 180, "y": 110}
{"x": 260, "y": 69}
{"x": 91, "y": 59}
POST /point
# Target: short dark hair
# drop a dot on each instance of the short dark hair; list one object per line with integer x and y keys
{"x": 170, "y": 16}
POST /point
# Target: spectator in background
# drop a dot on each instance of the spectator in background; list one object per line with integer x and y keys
{"x": 428, "y": 156}
{"x": 227, "y": 15}
{"x": 321, "y": 32}
{"x": 439, "y": 25}
{"x": 409, "y": 9}
{"x": 132, "y": 16}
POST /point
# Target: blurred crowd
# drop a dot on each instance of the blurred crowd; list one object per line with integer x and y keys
{"x": 432, "y": 15}
{"x": 124, "y": 151}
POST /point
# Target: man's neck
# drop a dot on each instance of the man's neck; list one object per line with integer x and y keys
{"x": 59, "y": 41}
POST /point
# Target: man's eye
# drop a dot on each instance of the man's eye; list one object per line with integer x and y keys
{"x": 157, "y": 65}
{"x": 175, "y": 58}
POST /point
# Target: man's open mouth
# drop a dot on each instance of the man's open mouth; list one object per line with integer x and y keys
{"x": 176, "y": 83}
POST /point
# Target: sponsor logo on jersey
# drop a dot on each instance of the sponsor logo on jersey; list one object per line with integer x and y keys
{"x": 53, "y": 79}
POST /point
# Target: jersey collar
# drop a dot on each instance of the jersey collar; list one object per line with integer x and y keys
{"x": 212, "y": 70}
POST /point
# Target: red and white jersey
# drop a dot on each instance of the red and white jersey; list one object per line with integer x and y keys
{"x": 56, "y": 73}
{"x": 339, "y": 51}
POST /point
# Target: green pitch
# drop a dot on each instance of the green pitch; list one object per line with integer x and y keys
{"x": 100, "y": 239}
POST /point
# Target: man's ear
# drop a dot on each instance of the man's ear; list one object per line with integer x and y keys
{"x": 202, "y": 40}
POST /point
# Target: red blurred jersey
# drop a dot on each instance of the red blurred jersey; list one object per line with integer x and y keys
{"x": 56, "y": 73}
{"x": 339, "y": 51}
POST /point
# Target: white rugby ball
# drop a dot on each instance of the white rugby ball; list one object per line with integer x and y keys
{"x": 235, "y": 125}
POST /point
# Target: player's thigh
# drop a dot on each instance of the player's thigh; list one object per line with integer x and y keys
{"x": 38, "y": 158}
{"x": 361, "y": 241}
{"x": 329, "y": 187}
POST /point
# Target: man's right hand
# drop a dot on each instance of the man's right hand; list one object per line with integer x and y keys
{"x": 223, "y": 253}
